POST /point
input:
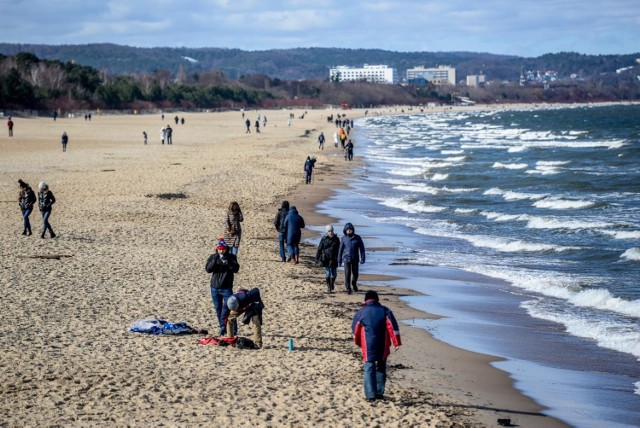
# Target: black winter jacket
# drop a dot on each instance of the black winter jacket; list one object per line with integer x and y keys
{"x": 222, "y": 269}
{"x": 278, "y": 222}
{"x": 327, "y": 253}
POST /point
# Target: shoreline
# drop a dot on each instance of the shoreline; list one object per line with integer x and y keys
{"x": 487, "y": 392}
{"x": 135, "y": 255}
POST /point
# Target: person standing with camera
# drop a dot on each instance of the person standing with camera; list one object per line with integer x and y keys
{"x": 222, "y": 265}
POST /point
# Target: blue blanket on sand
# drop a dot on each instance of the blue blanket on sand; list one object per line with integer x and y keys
{"x": 156, "y": 326}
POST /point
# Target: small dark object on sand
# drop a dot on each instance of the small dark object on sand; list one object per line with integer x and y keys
{"x": 504, "y": 422}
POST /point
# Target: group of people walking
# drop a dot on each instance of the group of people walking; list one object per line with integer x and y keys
{"x": 27, "y": 200}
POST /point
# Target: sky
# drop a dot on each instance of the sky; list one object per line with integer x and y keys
{"x": 511, "y": 27}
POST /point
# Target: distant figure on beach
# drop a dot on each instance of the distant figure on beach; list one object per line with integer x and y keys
{"x": 162, "y": 117}
{"x": 278, "y": 222}
{"x": 289, "y": 123}
{"x": 176, "y": 119}
{"x": 45, "y": 202}
{"x": 222, "y": 266}
{"x": 348, "y": 151}
{"x": 10, "y": 126}
{"x": 248, "y": 123}
{"x": 375, "y": 329}
{"x": 169, "y": 134}
{"x": 327, "y": 256}
{"x": 163, "y": 134}
{"x": 64, "y": 140}
{"x": 343, "y": 137}
{"x": 309, "y": 164}
{"x": 351, "y": 253}
{"x": 264, "y": 120}
{"x": 89, "y": 117}
{"x": 321, "y": 141}
{"x": 335, "y": 138}
{"x": 233, "y": 228}
{"x": 258, "y": 126}
{"x": 26, "y": 199}
{"x": 293, "y": 225}
{"x": 54, "y": 115}
{"x": 249, "y": 303}
{"x": 182, "y": 121}
{"x": 144, "y": 135}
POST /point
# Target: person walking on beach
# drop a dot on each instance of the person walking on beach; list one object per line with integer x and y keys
{"x": 144, "y": 135}
{"x": 327, "y": 256}
{"x": 348, "y": 153}
{"x": 258, "y": 126}
{"x": 293, "y": 225}
{"x": 64, "y": 140}
{"x": 169, "y": 134}
{"x": 26, "y": 199}
{"x": 222, "y": 266}
{"x": 163, "y": 134}
{"x": 248, "y": 123}
{"x": 375, "y": 329}
{"x": 45, "y": 202}
{"x": 309, "y": 164}
{"x": 233, "y": 228}
{"x": 249, "y": 303}
{"x": 278, "y": 222}
{"x": 351, "y": 253}
{"x": 321, "y": 141}
{"x": 10, "y": 126}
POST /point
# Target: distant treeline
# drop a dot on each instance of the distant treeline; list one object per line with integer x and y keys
{"x": 27, "y": 82}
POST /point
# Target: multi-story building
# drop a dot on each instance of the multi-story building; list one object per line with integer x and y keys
{"x": 476, "y": 80}
{"x": 370, "y": 73}
{"x": 440, "y": 75}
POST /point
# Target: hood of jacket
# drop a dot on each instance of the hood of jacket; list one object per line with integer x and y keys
{"x": 348, "y": 226}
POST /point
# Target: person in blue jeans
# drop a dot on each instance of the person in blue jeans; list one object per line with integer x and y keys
{"x": 278, "y": 222}
{"x": 293, "y": 225}
{"x": 222, "y": 265}
{"x": 45, "y": 204}
{"x": 26, "y": 199}
{"x": 352, "y": 254}
{"x": 327, "y": 256}
{"x": 375, "y": 329}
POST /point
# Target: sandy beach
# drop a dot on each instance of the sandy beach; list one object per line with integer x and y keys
{"x": 135, "y": 226}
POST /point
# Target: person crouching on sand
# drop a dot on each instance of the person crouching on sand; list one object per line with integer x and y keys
{"x": 249, "y": 303}
{"x": 222, "y": 266}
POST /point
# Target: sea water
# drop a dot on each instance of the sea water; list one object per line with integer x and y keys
{"x": 522, "y": 228}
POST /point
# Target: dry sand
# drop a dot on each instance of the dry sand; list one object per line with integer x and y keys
{"x": 126, "y": 255}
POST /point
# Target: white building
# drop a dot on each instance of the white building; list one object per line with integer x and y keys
{"x": 442, "y": 74}
{"x": 475, "y": 80}
{"x": 370, "y": 73}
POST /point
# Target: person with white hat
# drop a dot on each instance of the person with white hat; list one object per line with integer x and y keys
{"x": 327, "y": 256}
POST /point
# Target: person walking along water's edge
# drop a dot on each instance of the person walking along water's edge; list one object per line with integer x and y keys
{"x": 278, "y": 222}
{"x": 327, "y": 256}
{"x": 351, "y": 253}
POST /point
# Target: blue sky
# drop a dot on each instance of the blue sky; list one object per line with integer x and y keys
{"x": 524, "y": 28}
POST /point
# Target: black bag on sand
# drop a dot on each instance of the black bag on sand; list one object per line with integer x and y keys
{"x": 245, "y": 343}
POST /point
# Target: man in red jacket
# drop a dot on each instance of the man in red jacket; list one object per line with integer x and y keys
{"x": 375, "y": 329}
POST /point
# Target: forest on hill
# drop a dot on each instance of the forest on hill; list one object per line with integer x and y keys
{"x": 30, "y": 82}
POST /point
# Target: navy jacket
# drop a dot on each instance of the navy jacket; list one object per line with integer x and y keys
{"x": 351, "y": 247}
{"x": 374, "y": 329}
{"x": 293, "y": 225}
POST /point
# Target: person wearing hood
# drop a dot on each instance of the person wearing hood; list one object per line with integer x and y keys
{"x": 293, "y": 225}
{"x": 278, "y": 222}
{"x": 26, "y": 199}
{"x": 45, "y": 203}
{"x": 222, "y": 265}
{"x": 327, "y": 256}
{"x": 351, "y": 253}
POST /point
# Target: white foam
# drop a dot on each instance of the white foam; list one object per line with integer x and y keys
{"x": 563, "y": 204}
{"x": 439, "y": 177}
{"x": 551, "y": 163}
{"x": 515, "y": 246}
{"x": 412, "y": 207}
{"x": 514, "y": 196}
{"x": 632, "y": 254}
{"x": 637, "y": 385}
{"x": 622, "y": 234}
{"x": 465, "y": 210}
{"x": 607, "y": 334}
{"x": 500, "y": 217}
{"x": 419, "y": 188}
{"x": 558, "y": 223}
{"x": 500, "y": 165}
{"x": 452, "y": 152}
{"x": 406, "y": 172}
{"x": 517, "y": 149}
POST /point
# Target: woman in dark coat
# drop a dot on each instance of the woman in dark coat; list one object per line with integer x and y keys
{"x": 45, "y": 202}
{"x": 293, "y": 226}
{"x": 233, "y": 228}
{"x": 327, "y": 256}
{"x": 26, "y": 199}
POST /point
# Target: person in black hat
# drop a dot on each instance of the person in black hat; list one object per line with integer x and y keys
{"x": 375, "y": 329}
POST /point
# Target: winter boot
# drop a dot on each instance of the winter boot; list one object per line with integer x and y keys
{"x": 328, "y": 280}
{"x": 332, "y": 283}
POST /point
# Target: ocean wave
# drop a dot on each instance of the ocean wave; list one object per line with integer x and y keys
{"x": 557, "y": 223}
{"x": 418, "y": 188}
{"x": 632, "y": 254}
{"x": 551, "y": 163}
{"x": 517, "y": 149}
{"x": 465, "y": 210}
{"x": 637, "y": 385}
{"x": 509, "y": 195}
{"x": 411, "y": 207}
{"x": 545, "y": 171}
{"x": 452, "y": 152}
{"x": 500, "y": 217}
{"x": 623, "y": 234}
{"x": 406, "y": 172}
{"x": 456, "y": 159}
{"x": 500, "y": 165}
{"x": 619, "y": 336}
{"x": 515, "y": 246}
{"x": 563, "y": 204}
{"x": 439, "y": 177}
{"x": 459, "y": 189}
